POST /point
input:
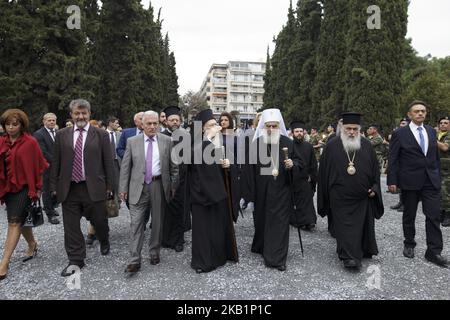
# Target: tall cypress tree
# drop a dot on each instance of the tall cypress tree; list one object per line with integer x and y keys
{"x": 280, "y": 63}
{"x": 43, "y": 57}
{"x": 268, "y": 87}
{"x": 302, "y": 56}
{"x": 374, "y": 63}
{"x": 117, "y": 60}
{"x": 329, "y": 87}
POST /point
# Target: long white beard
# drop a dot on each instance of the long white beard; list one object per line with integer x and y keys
{"x": 351, "y": 144}
{"x": 274, "y": 137}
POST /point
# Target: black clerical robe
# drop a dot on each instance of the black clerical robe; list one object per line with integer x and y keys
{"x": 347, "y": 197}
{"x": 304, "y": 186}
{"x": 273, "y": 202}
{"x": 176, "y": 218}
{"x": 213, "y": 239}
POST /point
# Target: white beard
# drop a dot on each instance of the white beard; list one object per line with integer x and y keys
{"x": 351, "y": 144}
{"x": 274, "y": 137}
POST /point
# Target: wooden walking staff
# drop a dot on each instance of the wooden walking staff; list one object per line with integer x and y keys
{"x": 286, "y": 157}
{"x": 230, "y": 208}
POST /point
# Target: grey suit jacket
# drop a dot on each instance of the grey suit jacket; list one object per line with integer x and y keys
{"x": 132, "y": 169}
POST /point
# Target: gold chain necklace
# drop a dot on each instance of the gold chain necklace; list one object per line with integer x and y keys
{"x": 351, "y": 170}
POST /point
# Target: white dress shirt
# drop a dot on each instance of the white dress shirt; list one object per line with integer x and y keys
{"x": 50, "y": 133}
{"x": 156, "y": 164}
{"x": 76, "y": 134}
{"x": 415, "y": 132}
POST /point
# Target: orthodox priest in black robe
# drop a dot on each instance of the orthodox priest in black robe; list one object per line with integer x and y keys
{"x": 305, "y": 181}
{"x": 349, "y": 186}
{"x": 175, "y": 217}
{"x": 270, "y": 177}
{"x": 213, "y": 237}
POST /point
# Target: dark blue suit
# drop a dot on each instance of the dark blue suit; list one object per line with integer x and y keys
{"x": 418, "y": 176}
{"x": 122, "y": 145}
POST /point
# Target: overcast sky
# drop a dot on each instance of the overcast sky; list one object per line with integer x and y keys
{"x": 203, "y": 32}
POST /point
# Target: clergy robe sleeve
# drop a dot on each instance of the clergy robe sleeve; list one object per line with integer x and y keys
{"x": 323, "y": 201}
{"x": 377, "y": 202}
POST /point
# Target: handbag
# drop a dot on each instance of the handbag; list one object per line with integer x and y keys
{"x": 35, "y": 216}
{"x": 112, "y": 209}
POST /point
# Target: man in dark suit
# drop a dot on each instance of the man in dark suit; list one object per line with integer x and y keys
{"x": 128, "y": 133}
{"x": 46, "y": 138}
{"x": 82, "y": 179}
{"x": 414, "y": 168}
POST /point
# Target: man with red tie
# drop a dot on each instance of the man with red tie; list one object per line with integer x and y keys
{"x": 81, "y": 179}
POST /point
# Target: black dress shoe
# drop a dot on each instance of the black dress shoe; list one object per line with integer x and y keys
{"x": 53, "y": 220}
{"x": 408, "y": 252}
{"x": 133, "y": 268}
{"x": 282, "y": 268}
{"x": 3, "y": 276}
{"x": 154, "y": 260}
{"x": 27, "y": 258}
{"x": 350, "y": 264}
{"x": 401, "y": 209}
{"x": 446, "y": 220}
{"x": 179, "y": 248}
{"x": 66, "y": 273}
{"x": 397, "y": 206}
{"x": 90, "y": 239}
{"x": 437, "y": 260}
{"x": 104, "y": 248}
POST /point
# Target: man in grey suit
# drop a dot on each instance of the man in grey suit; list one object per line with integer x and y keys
{"x": 148, "y": 177}
{"x": 81, "y": 179}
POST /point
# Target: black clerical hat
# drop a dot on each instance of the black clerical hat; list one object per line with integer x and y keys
{"x": 444, "y": 118}
{"x": 204, "y": 116}
{"x": 297, "y": 124}
{"x": 351, "y": 118}
{"x": 170, "y": 111}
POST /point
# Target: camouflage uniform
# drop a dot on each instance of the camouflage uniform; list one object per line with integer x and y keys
{"x": 378, "y": 146}
{"x": 314, "y": 140}
{"x": 445, "y": 174}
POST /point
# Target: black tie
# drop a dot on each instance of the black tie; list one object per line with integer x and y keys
{"x": 113, "y": 145}
{"x": 53, "y": 134}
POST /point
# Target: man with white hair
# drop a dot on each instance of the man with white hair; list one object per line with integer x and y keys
{"x": 269, "y": 174}
{"x": 148, "y": 177}
{"x": 349, "y": 187}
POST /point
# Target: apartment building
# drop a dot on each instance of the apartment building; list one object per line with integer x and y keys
{"x": 235, "y": 86}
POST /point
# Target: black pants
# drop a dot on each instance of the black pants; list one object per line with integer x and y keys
{"x": 77, "y": 205}
{"x": 431, "y": 208}
{"x": 49, "y": 202}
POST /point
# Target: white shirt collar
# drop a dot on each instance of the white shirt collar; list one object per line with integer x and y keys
{"x": 414, "y": 126}
{"x": 146, "y": 137}
{"x": 86, "y": 127}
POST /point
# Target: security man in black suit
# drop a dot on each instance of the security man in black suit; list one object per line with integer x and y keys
{"x": 414, "y": 168}
{"x": 46, "y": 138}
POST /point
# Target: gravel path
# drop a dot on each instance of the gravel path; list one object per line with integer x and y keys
{"x": 317, "y": 275}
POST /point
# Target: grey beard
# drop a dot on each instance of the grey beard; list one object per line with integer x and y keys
{"x": 81, "y": 124}
{"x": 351, "y": 144}
{"x": 274, "y": 138}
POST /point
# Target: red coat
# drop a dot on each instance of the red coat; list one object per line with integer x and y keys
{"x": 24, "y": 163}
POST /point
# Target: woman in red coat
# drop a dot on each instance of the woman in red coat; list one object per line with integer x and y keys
{"x": 21, "y": 168}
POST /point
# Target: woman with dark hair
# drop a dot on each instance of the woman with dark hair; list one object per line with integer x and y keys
{"x": 21, "y": 167}
{"x": 227, "y": 123}
{"x": 229, "y": 141}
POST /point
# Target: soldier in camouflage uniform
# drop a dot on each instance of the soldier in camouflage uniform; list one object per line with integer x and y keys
{"x": 314, "y": 139}
{"x": 443, "y": 144}
{"x": 377, "y": 143}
